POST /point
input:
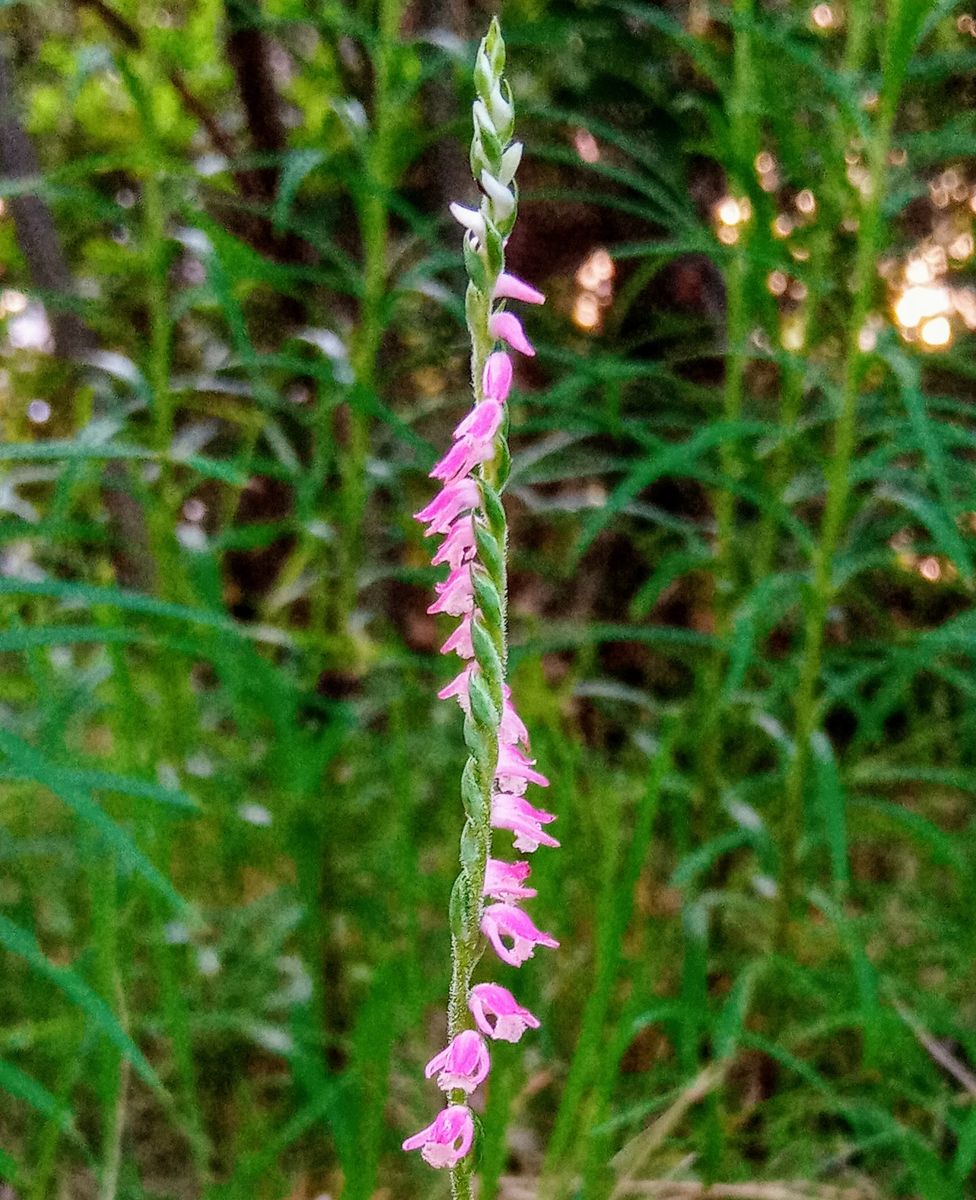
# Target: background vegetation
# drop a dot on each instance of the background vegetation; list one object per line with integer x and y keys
{"x": 743, "y": 513}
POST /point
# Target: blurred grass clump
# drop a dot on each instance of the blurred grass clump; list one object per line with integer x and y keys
{"x": 743, "y": 510}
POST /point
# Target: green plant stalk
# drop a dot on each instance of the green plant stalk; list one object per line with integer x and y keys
{"x": 617, "y": 903}
{"x": 822, "y": 587}
{"x": 179, "y": 715}
{"x": 374, "y": 228}
{"x": 103, "y": 892}
{"x": 743, "y": 135}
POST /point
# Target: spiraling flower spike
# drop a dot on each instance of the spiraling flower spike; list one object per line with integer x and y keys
{"x": 508, "y": 327}
{"x": 469, "y": 515}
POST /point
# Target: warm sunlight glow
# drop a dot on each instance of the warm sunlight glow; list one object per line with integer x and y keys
{"x": 937, "y": 333}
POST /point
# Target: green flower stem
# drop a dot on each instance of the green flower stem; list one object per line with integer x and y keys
{"x": 744, "y": 138}
{"x": 823, "y": 588}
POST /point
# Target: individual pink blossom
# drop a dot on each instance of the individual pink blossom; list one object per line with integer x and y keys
{"x": 510, "y": 287}
{"x": 455, "y": 595}
{"x": 453, "y": 499}
{"x": 512, "y": 730}
{"x": 505, "y": 881}
{"x": 514, "y": 770}
{"x": 482, "y": 421}
{"x": 447, "y": 1140}
{"x": 501, "y": 921}
{"x": 458, "y": 546}
{"x": 517, "y": 815}
{"x": 508, "y": 327}
{"x": 462, "y": 458}
{"x": 460, "y": 640}
{"x": 457, "y": 689}
{"x": 463, "y": 1064}
{"x": 497, "y": 378}
{"x": 491, "y": 1000}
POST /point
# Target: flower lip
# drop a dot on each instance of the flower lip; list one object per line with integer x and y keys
{"x": 502, "y": 921}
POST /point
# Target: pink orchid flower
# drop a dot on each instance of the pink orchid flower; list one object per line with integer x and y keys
{"x": 447, "y": 1140}
{"x": 490, "y": 1002}
{"x": 463, "y": 1064}
{"x": 501, "y": 921}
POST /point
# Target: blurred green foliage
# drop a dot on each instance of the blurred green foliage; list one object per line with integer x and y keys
{"x": 743, "y": 639}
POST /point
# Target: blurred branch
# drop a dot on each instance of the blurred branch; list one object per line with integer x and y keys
{"x": 74, "y": 341}
{"x": 130, "y": 37}
{"x": 36, "y": 233}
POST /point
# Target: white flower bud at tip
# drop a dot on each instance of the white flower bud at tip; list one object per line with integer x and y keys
{"x": 482, "y": 118}
{"x": 501, "y": 111}
{"x": 510, "y": 163}
{"x": 502, "y": 200}
{"x": 470, "y": 218}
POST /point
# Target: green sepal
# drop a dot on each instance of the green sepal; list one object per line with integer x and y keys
{"x": 501, "y": 464}
{"x": 494, "y": 512}
{"x": 485, "y": 708}
{"x": 488, "y": 600}
{"x": 494, "y": 46}
{"x": 494, "y": 249}
{"x": 461, "y": 910}
{"x": 491, "y": 554}
{"x": 483, "y": 749}
{"x": 476, "y": 303}
{"x": 471, "y": 847}
{"x": 472, "y": 794}
{"x": 488, "y": 659}
{"x": 474, "y": 264}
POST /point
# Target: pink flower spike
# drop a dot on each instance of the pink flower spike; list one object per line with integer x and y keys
{"x": 489, "y": 1000}
{"x": 497, "y": 378}
{"x": 506, "y": 921}
{"x": 464, "y": 1064}
{"x": 514, "y": 770}
{"x": 460, "y": 640}
{"x": 457, "y": 689}
{"x": 455, "y": 595}
{"x": 453, "y": 499}
{"x": 510, "y": 287}
{"x": 508, "y": 327}
{"x": 517, "y": 815}
{"x": 458, "y": 546}
{"x": 447, "y": 1140}
{"x": 504, "y": 881}
{"x": 482, "y": 422}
